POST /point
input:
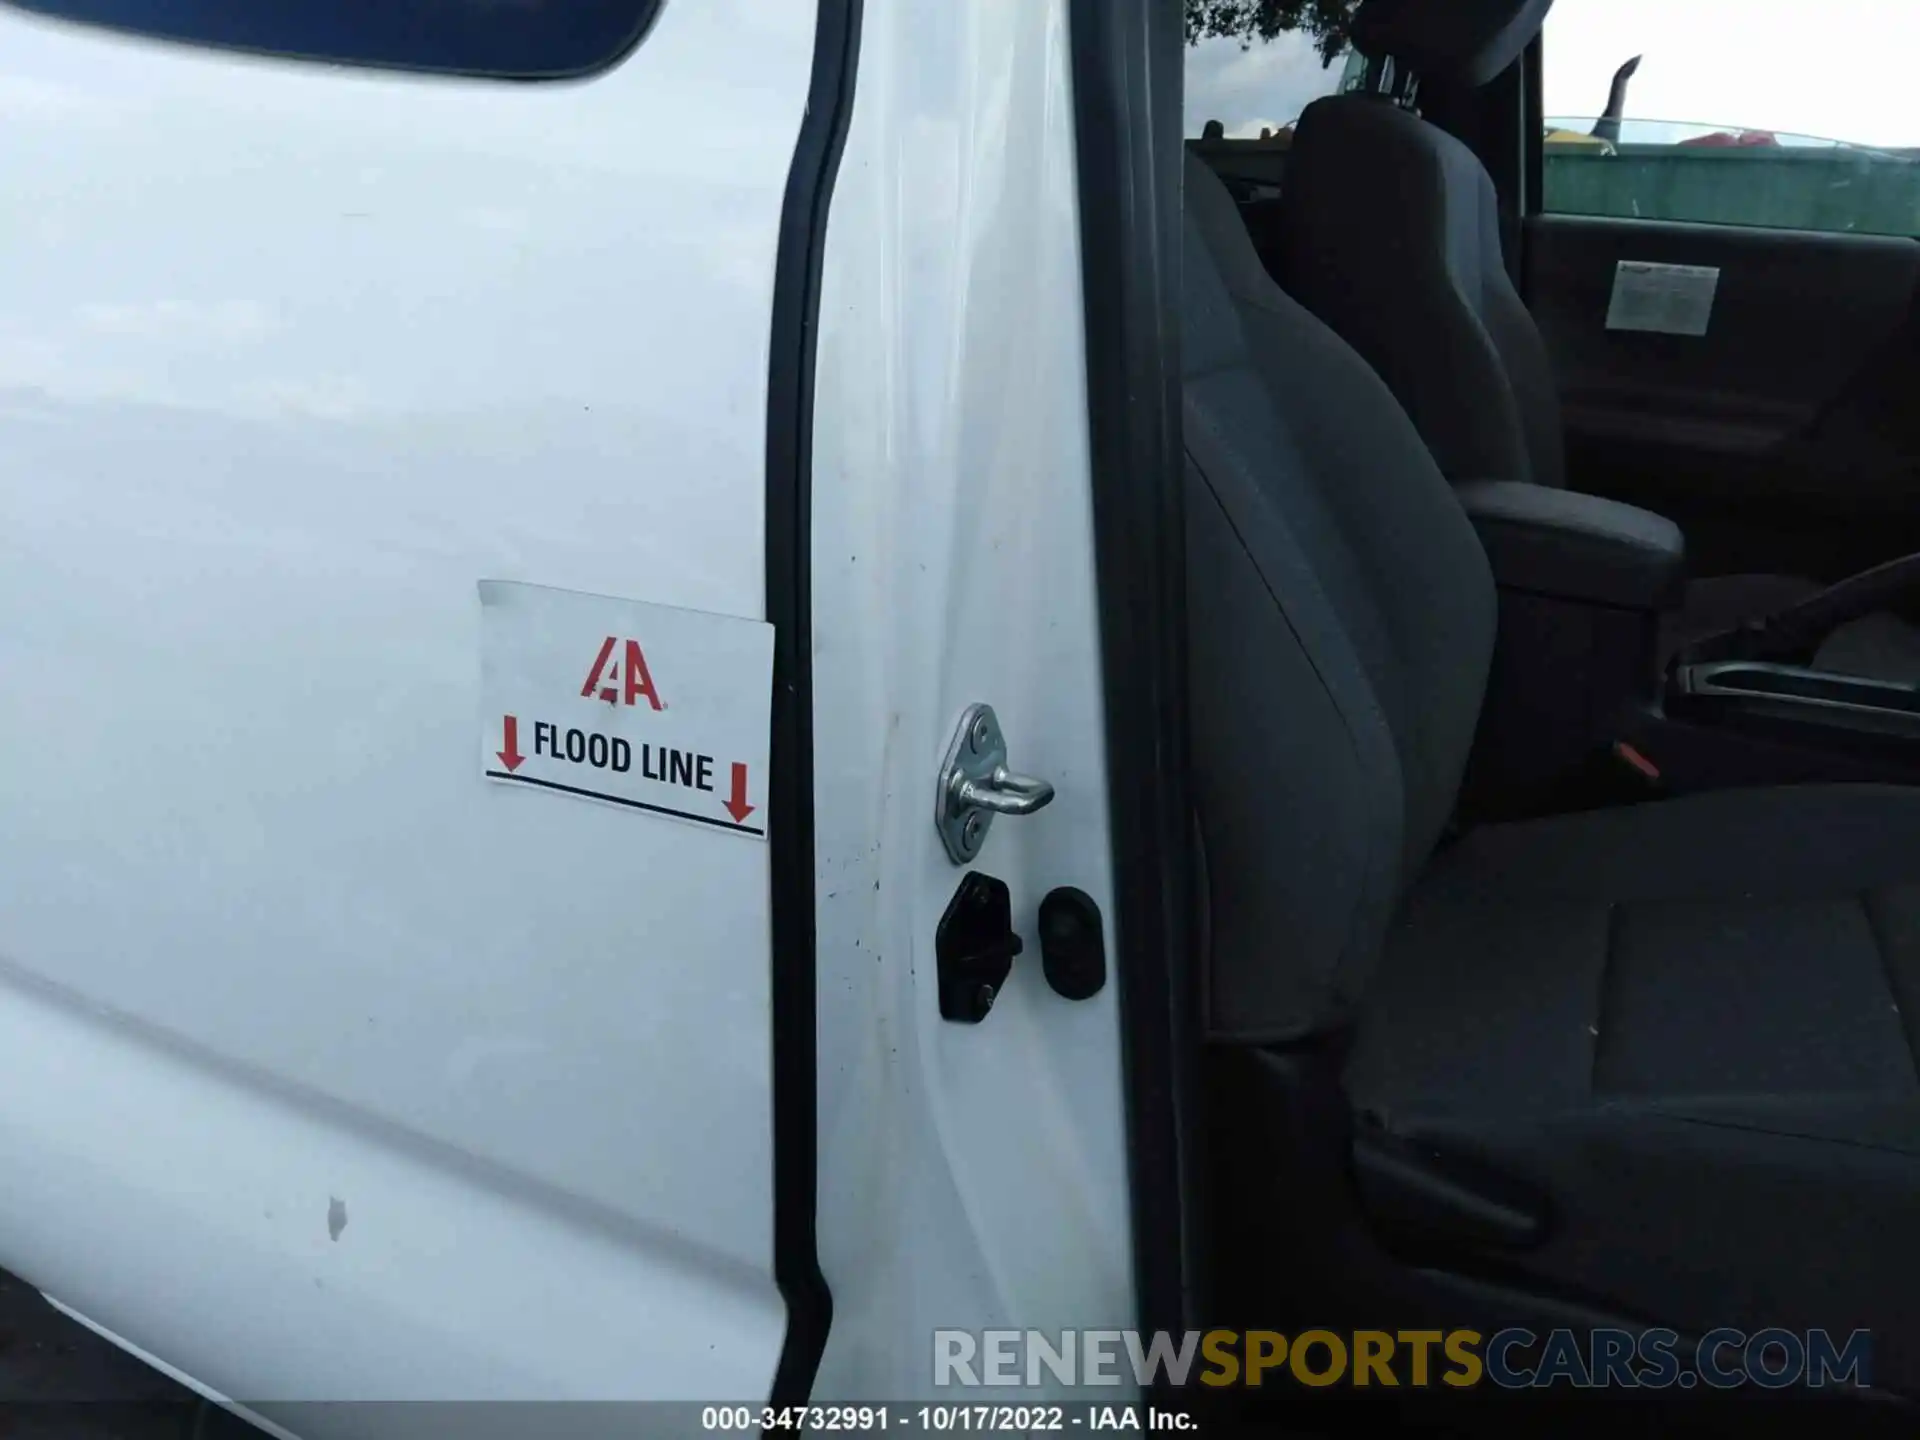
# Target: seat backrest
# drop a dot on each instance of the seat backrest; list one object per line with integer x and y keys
{"x": 1340, "y": 620}
{"x": 1390, "y": 232}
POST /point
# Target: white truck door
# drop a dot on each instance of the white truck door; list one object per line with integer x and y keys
{"x": 393, "y": 544}
{"x": 977, "y": 1161}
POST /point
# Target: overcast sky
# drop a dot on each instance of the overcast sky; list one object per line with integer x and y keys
{"x": 1837, "y": 69}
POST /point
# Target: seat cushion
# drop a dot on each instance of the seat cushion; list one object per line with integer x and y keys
{"x": 1694, "y": 1025}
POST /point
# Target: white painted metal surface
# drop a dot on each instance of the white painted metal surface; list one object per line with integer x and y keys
{"x": 969, "y": 1176}
{"x": 289, "y": 359}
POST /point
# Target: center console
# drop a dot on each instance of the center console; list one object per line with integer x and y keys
{"x": 1742, "y": 722}
{"x": 1578, "y": 683}
{"x": 1583, "y": 583}
{"x": 1795, "y": 696}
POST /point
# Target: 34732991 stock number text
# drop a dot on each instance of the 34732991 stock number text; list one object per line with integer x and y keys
{"x": 867, "y": 1419}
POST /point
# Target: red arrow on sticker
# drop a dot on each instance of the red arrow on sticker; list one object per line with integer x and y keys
{"x": 737, "y": 805}
{"x": 511, "y": 756}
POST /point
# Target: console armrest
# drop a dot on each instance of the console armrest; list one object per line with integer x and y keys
{"x": 1577, "y": 547}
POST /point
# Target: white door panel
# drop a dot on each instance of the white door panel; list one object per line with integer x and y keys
{"x": 276, "y": 1247}
{"x": 290, "y": 358}
{"x": 971, "y": 1175}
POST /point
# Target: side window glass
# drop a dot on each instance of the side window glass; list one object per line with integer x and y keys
{"x": 1732, "y": 113}
{"x": 505, "y": 39}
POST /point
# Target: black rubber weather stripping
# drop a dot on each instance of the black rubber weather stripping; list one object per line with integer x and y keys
{"x": 1127, "y": 57}
{"x": 789, "y": 530}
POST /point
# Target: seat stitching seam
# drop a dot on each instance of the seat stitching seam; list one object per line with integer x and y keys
{"x": 1344, "y": 705}
{"x": 1852, "y": 1142}
{"x": 1883, "y": 951}
{"x": 1610, "y": 927}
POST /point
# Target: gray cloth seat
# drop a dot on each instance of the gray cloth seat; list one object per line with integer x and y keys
{"x": 1390, "y": 234}
{"x": 1691, "y": 1023}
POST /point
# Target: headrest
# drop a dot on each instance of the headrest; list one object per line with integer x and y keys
{"x": 1468, "y": 41}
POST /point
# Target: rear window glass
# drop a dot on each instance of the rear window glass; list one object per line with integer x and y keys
{"x": 513, "y": 39}
{"x": 1245, "y": 87}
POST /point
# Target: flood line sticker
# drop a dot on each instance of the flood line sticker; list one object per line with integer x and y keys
{"x": 661, "y": 710}
{"x": 1664, "y": 299}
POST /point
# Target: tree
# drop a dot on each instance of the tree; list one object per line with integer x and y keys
{"x": 1249, "y": 20}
